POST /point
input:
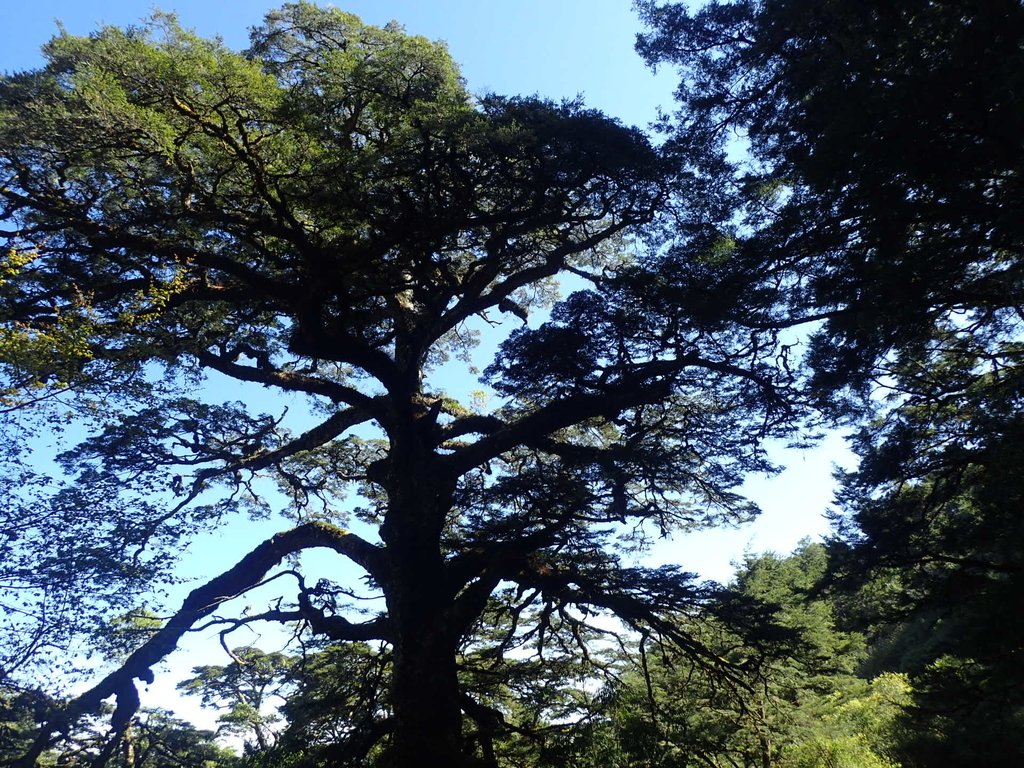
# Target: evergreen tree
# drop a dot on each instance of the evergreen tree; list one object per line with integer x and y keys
{"x": 883, "y": 183}
{"x": 795, "y": 698}
{"x": 330, "y": 216}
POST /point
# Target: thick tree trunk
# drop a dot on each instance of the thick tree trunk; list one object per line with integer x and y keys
{"x": 425, "y": 688}
{"x": 426, "y": 701}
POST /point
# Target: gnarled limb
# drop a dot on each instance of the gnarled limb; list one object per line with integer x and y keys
{"x": 201, "y": 602}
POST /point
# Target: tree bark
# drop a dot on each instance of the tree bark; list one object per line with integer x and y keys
{"x": 425, "y": 697}
{"x": 425, "y": 694}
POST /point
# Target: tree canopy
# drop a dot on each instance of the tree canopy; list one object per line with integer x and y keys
{"x": 330, "y": 216}
{"x": 883, "y": 183}
{"x": 883, "y": 155}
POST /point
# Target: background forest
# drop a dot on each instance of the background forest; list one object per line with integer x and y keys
{"x": 824, "y": 232}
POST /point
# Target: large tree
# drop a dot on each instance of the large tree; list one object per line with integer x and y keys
{"x": 330, "y": 216}
{"x": 884, "y": 182}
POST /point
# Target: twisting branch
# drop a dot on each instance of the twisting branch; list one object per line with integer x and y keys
{"x": 336, "y": 628}
{"x": 474, "y": 575}
{"x": 339, "y": 628}
{"x": 201, "y": 602}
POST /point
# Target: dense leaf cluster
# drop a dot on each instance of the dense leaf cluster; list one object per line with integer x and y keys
{"x": 884, "y": 174}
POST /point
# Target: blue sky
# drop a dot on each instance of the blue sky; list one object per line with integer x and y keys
{"x": 555, "y": 48}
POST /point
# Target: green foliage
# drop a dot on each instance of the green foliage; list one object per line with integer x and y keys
{"x": 843, "y": 752}
{"x": 857, "y": 728}
{"x": 932, "y": 535}
{"x": 155, "y": 739}
{"x": 126, "y": 633}
{"x": 247, "y": 692}
{"x": 888, "y": 128}
{"x": 336, "y": 710}
{"x": 20, "y": 712}
{"x": 786, "y": 692}
{"x": 884, "y": 131}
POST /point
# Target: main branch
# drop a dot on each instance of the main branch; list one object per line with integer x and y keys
{"x": 200, "y": 603}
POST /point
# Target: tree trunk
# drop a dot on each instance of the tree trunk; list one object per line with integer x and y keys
{"x": 425, "y": 697}
{"x": 425, "y": 687}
